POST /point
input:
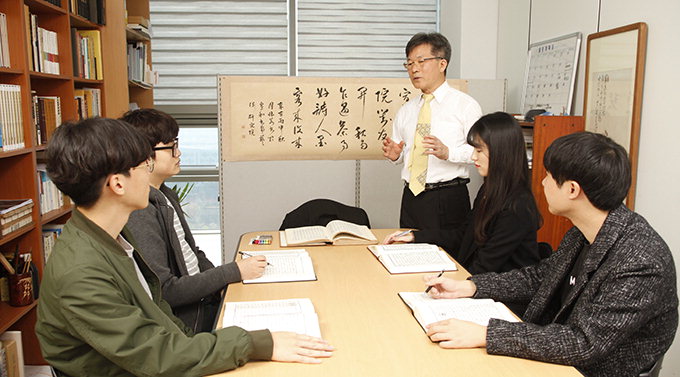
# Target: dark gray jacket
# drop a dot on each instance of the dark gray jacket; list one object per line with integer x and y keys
{"x": 621, "y": 315}
{"x": 190, "y": 297}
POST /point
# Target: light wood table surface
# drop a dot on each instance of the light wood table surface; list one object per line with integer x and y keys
{"x": 373, "y": 331}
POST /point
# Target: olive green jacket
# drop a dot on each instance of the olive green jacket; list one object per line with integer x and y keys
{"x": 96, "y": 319}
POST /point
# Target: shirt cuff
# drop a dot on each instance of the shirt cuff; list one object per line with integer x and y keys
{"x": 263, "y": 345}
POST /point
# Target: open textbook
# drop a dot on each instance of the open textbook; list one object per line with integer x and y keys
{"x": 336, "y": 232}
{"x": 412, "y": 257}
{"x": 296, "y": 315}
{"x": 428, "y": 310}
{"x": 284, "y": 265}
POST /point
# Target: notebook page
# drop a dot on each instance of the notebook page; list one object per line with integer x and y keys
{"x": 296, "y": 315}
{"x": 285, "y": 265}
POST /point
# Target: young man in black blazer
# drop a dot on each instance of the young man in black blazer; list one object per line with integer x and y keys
{"x": 606, "y": 302}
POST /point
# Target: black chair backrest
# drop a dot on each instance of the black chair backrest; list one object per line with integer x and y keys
{"x": 323, "y": 211}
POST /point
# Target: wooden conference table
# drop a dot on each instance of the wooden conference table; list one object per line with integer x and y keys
{"x": 373, "y": 331}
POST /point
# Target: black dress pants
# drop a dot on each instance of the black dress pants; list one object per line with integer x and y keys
{"x": 440, "y": 208}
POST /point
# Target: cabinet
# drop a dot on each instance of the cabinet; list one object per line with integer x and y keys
{"x": 545, "y": 130}
{"x": 18, "y": 177}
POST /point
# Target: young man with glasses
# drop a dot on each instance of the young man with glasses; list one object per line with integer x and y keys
{"x": 190, "y": 282}
{"x": 435, "y": 126}
{"x": 100, "y": 310}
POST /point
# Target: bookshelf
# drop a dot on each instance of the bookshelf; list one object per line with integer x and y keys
{"x": 18, "y": 167}
{"x": 545, "y": 130}
{"x": 140, "y": 93}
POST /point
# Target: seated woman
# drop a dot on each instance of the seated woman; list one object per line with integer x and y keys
{"x": 190, "y": 282}
{"x": 500, "y": 233}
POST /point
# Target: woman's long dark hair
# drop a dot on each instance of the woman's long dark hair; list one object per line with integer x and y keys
{"x": 508, "y": 168}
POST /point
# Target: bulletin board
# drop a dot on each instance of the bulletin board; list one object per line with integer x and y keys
{"x": 550, "y": 74}
{"x": 309, "y": 118}
{"x": 615, "y": 68}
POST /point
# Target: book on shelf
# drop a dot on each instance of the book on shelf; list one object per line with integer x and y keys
{"x": 139, "y": 70}
{"x": 15, "y": 225}
{"x": 50, "y": 233}
{"x": 283, "y": 265}
{"x": 428, "y": 310}
{"x": 91, "y": 45}
{"x": 336, "y": 232}
{"x": 44, "y": 47}
{"x": 47, "y": 112}
{"x": 92, "y": 10}
{"x": 10, "y": 356}
{"x": 412, "y": 258}
{"x": 11, "y": 207}
{"x": 27, "y": 30}
{"x": 295, "y": 315}
{"x": 50, "y": 197}
{"x": 88, "y": 102}
{"x": 16, "y": 337}
{"x": 11, "y": 119}
{"x": 4, "y": 42}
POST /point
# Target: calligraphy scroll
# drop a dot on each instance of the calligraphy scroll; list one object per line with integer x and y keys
{"x": 303, "y": 118}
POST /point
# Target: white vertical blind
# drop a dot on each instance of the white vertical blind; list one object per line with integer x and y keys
{"x": 193, "y": 41}
{"x": 350, "y": 38}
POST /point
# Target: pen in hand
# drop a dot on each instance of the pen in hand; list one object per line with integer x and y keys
{"x": 403, "y": 233}
{"x": 250, "y": 255}
{"x": 430, "y": 287}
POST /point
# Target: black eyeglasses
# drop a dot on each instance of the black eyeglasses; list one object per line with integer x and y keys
{"x": 174, "y": 147}
{"x": 420, "y": 62}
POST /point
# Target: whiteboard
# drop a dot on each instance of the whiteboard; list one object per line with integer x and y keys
{"x": 550, "y": 74}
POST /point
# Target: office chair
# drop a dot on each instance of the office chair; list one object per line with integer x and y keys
{"x": 321, "y": 212}
{"x": 654, "y": 370}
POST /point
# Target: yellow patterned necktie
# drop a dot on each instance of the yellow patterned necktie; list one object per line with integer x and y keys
{"x": 418, "y": 167}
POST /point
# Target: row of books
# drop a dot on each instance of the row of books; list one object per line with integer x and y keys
{"x": 14, "y": 215}
{"x": 87, "y": 54}
{"x": 4, "y": 42}
{"x": 139, "y": 70}
{"x": 88, "y": 102}
{"x": 46, "y": 116}
{"x": 50, "y": 232}
{"x": 11, "y": 119}
{"x": 43, "y": 46}
{"x": 93, "y": 10}
{"x": 50, "y": 197}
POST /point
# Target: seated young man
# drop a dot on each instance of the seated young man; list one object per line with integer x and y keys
{"x": 100, "y": 309}
{"x": 606, "y": 302}
{"x": 189, "y": 281}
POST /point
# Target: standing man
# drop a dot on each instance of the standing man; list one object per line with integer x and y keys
{"x": 429, "y": 137}
{"x": 606, "y": 301}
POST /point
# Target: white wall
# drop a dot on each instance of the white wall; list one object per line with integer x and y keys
{"x": 658, "y": 187}
{"x": 513, "y": 44}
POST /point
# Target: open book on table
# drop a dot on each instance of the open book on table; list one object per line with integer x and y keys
{"x": 336, "y": 232}
{"x": 296, "y": 315}
{"x": 284, "y": 265}
{"x": 412, "y": 257}
{"x": 428, "y": 310}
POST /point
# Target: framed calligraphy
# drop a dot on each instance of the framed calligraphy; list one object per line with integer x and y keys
{"x": 615, "y": 67}
{"x": 305, "y": 118}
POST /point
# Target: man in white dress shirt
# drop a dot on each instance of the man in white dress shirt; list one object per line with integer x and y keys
{"x": 440, "y": 200}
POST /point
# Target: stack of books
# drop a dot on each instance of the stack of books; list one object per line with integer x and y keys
{"x": 46, "y": 116}
{"x": 4, "y": 42}
{"x": 141, "y": 25}
{"x": 14, "y": 215}
{"x": 11, "y": 120}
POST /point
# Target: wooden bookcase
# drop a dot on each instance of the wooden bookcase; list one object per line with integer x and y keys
{"x": 141, "y": 95}
{"x": 18, "y": 167}
{"x": 546, "y": 129}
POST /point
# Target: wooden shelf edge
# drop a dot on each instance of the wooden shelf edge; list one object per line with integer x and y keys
{"x": 53, "y": 215}
{"x": 16, "y": 152}
{"x": 12, "y": 314}
{"x": 82, "y": 22}
{"x": 134, "y": 35}
{"x": 81, "y": 80}
{"x": 139, "y": 84}
{"x": 44, "y": 6}
{"x": 51, "y": 76}
{"x": 11, "y": 71}
{"x": 17, "y": 233}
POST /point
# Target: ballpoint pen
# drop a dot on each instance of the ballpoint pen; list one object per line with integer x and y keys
{"x": 430, "y": 287}
{"x": 403, "y": 233}
{"x": 250, "y": 255}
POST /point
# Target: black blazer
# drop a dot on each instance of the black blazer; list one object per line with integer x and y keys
{"x": 511, "y": 238}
